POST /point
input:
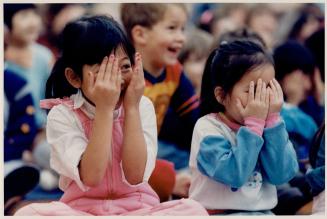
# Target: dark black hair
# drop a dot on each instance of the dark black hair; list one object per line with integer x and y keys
{"x": 9, "y": 10}
{"x": 291, "y": 56}
{"x": 316, "y": 44}
{"x": 86, "y": 40}
{"x": 225, "y": 66}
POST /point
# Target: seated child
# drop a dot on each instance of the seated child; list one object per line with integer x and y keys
{"x": 101, "y": 128}
{"x": 240, "y": 147}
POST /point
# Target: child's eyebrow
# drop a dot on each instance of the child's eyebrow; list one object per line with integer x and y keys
{"x": 124, "y": 58}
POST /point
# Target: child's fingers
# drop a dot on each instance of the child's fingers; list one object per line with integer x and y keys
{"x": 140, "y": 66}
{"x": 251, "y": 92}
{"x": 273, "y": 87}
{"x": 102, "y": 68}
{"x": 268, "y": 94}
{"x": 114, "y": 71}
{"x": 140, "y": 73}
{"x": 279, "y": 88}
{"x": 258, "y": 90}
{"x": 118, "y": 79}
{"x": 263, "y": 92}
{"x": 133, "y": 79}
{"x": 108, "y": 72}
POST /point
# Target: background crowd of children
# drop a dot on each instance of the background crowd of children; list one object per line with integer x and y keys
{"x": 179, "y": 45}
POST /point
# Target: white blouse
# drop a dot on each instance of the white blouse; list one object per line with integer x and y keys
{"x": 68, "y": 142}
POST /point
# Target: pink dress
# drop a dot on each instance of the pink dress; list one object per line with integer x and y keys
{"x": 114, "y": 195}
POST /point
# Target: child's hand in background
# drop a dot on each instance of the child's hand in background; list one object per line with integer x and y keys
{"x": 258, "y": 102}
{"x": 104, "y": 89}
{"x": 136, "y": 85}
{"x": 276, "y": 98}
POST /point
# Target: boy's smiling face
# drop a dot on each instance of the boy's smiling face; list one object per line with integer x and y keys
{"x": 166, "y": 38}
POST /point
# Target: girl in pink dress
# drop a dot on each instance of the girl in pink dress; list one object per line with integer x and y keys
{"x": 101, "y": 129}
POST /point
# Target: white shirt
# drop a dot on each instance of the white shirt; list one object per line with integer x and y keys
{"x": 214, "y": 195}
{"x": 68, "y": 142}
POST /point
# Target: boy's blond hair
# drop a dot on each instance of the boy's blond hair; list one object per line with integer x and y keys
{"x": 144, "y": 14}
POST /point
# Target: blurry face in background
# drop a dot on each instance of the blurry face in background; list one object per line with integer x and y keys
{"x": 67, "y": 14}
{"x": 194, "y": 71}
{"x": 265, "y": 24}
{"x": 26, "y": 26}
{"x": 296, "y": 87}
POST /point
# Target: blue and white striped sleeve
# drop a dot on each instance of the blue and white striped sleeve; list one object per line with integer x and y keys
{"x": 278, "y": 156}
{"x": 226, "y": 163}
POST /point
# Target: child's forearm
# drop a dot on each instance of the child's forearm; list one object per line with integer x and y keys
{"x": 98, "y": 152}
{"x": 134, "y": 153}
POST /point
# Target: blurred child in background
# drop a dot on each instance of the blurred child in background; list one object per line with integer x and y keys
{"x": 194, "y": 55}
{"x": 33, "y": 63}
{"x": 20, "y": 129}
{"x": 314, "y": 104}
{"x": 294, "y": 68}
{"x": 56, "y": 17}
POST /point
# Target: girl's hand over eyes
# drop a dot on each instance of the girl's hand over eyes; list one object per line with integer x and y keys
{"x": 136, "y": 86}
{"x": 258, "y": 102}
{"x": 105, "y": 88}
{"x": 276, "y": 98}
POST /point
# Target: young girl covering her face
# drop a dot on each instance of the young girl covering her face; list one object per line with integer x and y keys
{"x": 101, "y": 129}
{"x": 240, "y": 147}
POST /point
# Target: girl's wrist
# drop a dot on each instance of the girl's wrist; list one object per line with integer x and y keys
{"x": 131, "y": 109}
{"x": 272, "y": 119}
{"x": 256, "y": 125}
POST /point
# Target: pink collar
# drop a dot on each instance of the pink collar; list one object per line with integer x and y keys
{"x": 232, "y": 125}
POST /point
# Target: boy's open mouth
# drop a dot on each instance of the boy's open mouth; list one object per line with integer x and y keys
{"x": 173, "y": 50}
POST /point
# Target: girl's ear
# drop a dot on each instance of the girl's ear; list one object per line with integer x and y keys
{"x": 73, "y": 78}
{"x": 219, "y": 94}
{"x": 139, "y": 34}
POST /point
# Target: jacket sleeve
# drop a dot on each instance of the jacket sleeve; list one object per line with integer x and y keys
{"x": 278, "y": 156}
{"x": 226, "y": 163}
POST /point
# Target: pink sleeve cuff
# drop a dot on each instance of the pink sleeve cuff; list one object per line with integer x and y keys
{"x": 255, "y": 125}
{"x": 272, "y": 119}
